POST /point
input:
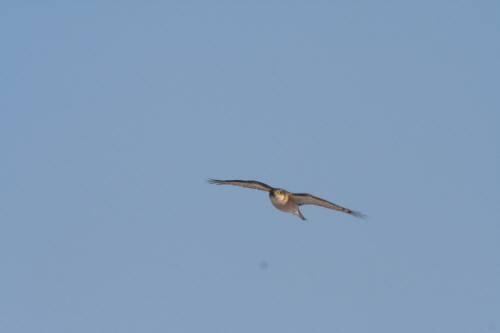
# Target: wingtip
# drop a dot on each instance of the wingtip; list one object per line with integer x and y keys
{"x": 359, "y": 215}
{"x": 213, "y": 181}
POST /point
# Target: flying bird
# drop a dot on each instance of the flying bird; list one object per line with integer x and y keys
{"x": 286, "y": 201}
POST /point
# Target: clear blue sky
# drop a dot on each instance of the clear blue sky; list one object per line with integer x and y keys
{"x": 113, "y": 115}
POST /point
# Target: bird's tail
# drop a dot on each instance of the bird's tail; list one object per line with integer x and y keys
{"x": 299, "y": 214}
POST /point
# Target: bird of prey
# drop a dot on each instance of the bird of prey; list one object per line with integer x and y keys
{"x": 286, "y": 201}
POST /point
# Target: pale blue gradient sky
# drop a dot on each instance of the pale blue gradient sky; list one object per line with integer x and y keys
{"x": 114, "y": 114}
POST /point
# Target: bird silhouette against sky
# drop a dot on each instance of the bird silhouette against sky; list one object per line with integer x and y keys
{"x": 286, "y": 201}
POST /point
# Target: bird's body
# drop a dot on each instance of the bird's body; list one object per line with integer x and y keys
{"x": 282, "y": 200}
{"x": 286, "y": 201}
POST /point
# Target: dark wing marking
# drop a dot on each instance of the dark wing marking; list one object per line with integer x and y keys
{"x": 307, "y": 199}
{"x": 244, "y": 183}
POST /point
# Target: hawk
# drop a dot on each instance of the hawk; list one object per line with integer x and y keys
{"x": 286, "y": 201}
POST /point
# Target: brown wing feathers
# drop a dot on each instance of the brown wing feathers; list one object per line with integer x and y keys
{"x": 243, "y": 183}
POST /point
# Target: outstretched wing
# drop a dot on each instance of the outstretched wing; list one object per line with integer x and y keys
{"x": 307, "y": 199}
{"x": 244, "y": 183}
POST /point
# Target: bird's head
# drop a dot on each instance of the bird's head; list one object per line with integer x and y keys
{"x": 278, "y": 193}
